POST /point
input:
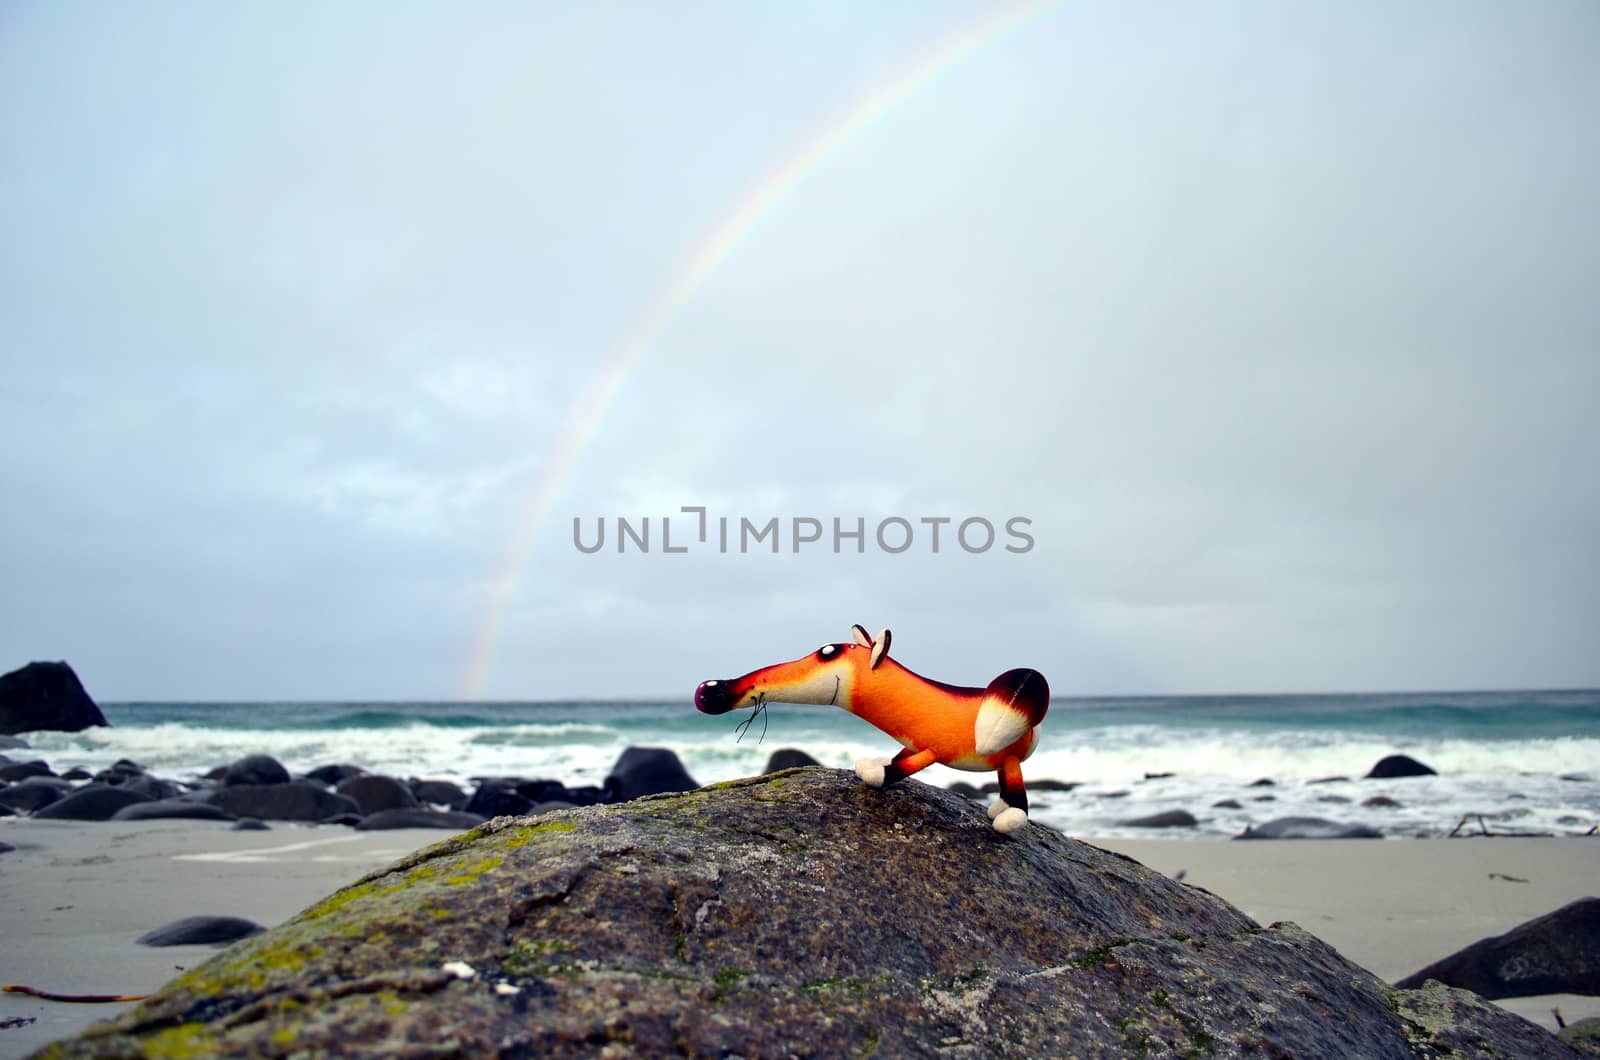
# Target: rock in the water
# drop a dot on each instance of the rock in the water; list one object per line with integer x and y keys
{"x": 373, "y": 792}
{"x": 641, "y": 771}
{"x": 491, "y": 800}
{"x": 1227, "y": 804}
{"x": 154, "y": 787}
{"x": 1399, "y": 766}
{"x": 439, "y": 792}
{"x": 298, "y": 800}
{"x": 92, "y": 803}
{"x": 1308, "y": 828}
{"x": 1264, "y": 782}
{"x": 32, "y": 794}
{"x": 384, "y": 819}
{"x": 250, "y": 824}
{"x": 12, "y": 772}
{"x": 76, "y": 773}
{"x": 788, "y": 758}
{"x": 172, "y": 809}
{"x": 1382, "y": 802}
{"x": 46, "y": 696}
{"x": 200, "y": 931}
{"x": 800, "y": 913}
{"x": 257, "y": 770}
{"x": 1558, "y": 953}
{"x": 1329, "y": 780}
{"x": 1165, "y": 819}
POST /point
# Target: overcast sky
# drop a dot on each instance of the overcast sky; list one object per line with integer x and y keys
{"x": 1279, "y": 322}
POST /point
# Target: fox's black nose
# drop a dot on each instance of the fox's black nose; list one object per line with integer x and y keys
{"x": 713, "y": 697}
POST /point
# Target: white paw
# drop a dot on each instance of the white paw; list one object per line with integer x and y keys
{"x": 997, "y": 807}
{"x": 1010, "y": 820}
{"x": 870, "y": 770}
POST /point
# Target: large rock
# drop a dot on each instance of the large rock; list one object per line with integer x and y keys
{"x": 387, "y": 819}
{"x": 255, "y": 769}
{"x": 1398, "y": 766}
{"x": 800, "y": 913}
{"x": 46, "y": 696}
{"x": 492, "y": 800}
{"x": 31, "y": 794}
{"x": 1558, "y": 953}
{"x": 373, "y": 792}
{"x": 298, "y": 800}
{"x": 1165, "y": 819}
{"x": 172, "y": 809}
{"x": 641, "y": 771}
{"x": 788, "y": 758}
{"x": 93, "y": 802}
{"x": 201, "y": 931}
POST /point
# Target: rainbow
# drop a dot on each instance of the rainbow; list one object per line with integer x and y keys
{"x": 583, "y": 421}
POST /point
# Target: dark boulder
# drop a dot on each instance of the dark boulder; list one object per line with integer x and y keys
{"x": 77, "y": 773}
{"x": 586, "y": 795}
{"x": 1381, "y": 802}
{"x": 1558, "y": 953}
{"x": 153, "y": 787}
{"x": 250, "y": 824}
{"x": 965, "y": 790}
{"x": 1046, "y": 784}
{"x": 46, "y": 696}
{"x": 255, "y": 770}
{"x": 1264, "y": 782}
{"x": 800, "y": 913}
{"x": 15, "y": 771}
{"x": 6, "y": 811}
{"x": 201, "y": 931}
{"x": 32, "y": 794}
{"x": 119, "y": 773}
{"x": 641, "y": 771}
{"x": 1227, "y": 804}
{"x": 1165, "y": 819}
{"x": 541, "y": 790}
{"x": 1329, "y": 780}
{"x": 298, "y": 800}
{"x": 176, "y": 809}
{"x": 1398, "y": 766}
{"x": 386, "y": 819}
{"x": 373, "y": 792}
{"x": 1308, "y": 828}
{"x": 332, "y": 775}
{"x": 349, "y": 820}
{"x": 439, "y": 793}
{"x": 92, "y": 803}
{"x": 6, "y": 848}
{"x": 1159, "y": 776}
{"x": 788, "y": 758}
{"x": 491, "y": 800}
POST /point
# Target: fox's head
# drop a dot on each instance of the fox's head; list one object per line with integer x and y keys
{"x": 828, "y": 676}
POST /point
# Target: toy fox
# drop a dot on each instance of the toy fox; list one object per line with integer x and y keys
{"x": 975, "y": 729}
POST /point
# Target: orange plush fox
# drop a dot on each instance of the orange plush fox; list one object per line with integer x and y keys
{"x": 976, "y": 729}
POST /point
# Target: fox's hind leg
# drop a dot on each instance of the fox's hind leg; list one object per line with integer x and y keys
{"x": 881, "y": 772}
{"x": 1010, "y": 810}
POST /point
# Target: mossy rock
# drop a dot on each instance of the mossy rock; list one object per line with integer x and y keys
{"x": 795, "y": 914}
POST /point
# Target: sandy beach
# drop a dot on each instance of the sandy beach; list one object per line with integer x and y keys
{"x": 79, "y": 894}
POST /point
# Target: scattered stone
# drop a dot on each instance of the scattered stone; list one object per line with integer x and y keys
{"x": 1114, "y": 794}
{"x": 1329, "y": 780}
{"x": 6, "y": 848}
{"x": 348, "y": 820}
{"x": 297, "y": 800}
{"x": 1381, "y": 802}
{"x": 31, "y": 795}
{"x": 334, "y": 775}
{"x": 1165, "y": 819}
{"x": 77, "y": 773}
{"x": 1558, "y": 953}
{"x": 175, "y": 809}
{"x": 1263, "y": 798}
{"x": 822, "y": 919}
{"x": 1264, "y": 782}
{"x": 993, "y": 787}
{"x": 1227, "y": 804}
{"x": 586, "y": 795}
{"x": 373, "y": 792}
{"x": 541, "y": 790}
{"x": 1159, "y": 776}
{"x": 46, "y": 696}
{"x": 440, "y": 793}
{"x": 15, "y": 771}
{"x": 789, "y": 758}
{"x": 1308, "y": 828}
{"x": 965, "y": 790}
{"x": 154, "y": 787}
{"x": 491, "y": 801}
{"x": 641, "y": 771}
{"x": 1334, "y": 798}
{"x": 250, "y": 824}
{"x": 255, "y": 770}
{"x": 95, "y": 802}
{"x": 1582, "y": 778}
{"x": 1399, "y": 766}
{"x": 385, "y": 819}
{"x": 201, "y": 931}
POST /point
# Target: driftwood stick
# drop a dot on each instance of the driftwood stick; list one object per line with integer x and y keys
{"x": 85, "y": 999}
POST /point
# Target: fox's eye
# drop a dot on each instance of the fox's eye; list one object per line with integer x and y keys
{"x": 827, "y": 651}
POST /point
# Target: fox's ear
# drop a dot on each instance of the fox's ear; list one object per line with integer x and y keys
{"x": 859, "y": 632}
{"x": 880, "y": 650}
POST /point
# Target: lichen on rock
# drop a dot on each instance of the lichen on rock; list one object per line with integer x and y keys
{"x": 796, "y": 913}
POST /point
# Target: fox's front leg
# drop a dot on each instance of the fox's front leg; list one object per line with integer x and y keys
{"x": 881, "y": 772}
{"x": 1010, "y": 810}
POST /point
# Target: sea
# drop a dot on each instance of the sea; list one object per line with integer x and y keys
{"x": 1507, "y": 762}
